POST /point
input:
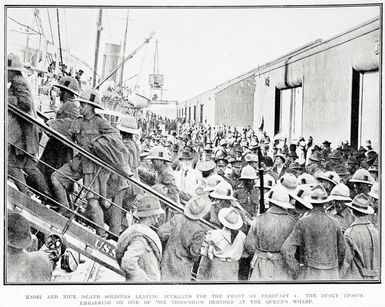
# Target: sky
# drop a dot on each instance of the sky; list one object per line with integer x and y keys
{"x": 198, "y": 48}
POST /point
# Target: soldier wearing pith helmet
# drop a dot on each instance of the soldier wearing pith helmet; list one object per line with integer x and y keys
{"x": 267, "y": 234}
{"x": 363, "y": 244}
{"x": 183, "y": 237}
{"x": 317, "y": 239}
{"x": 165, "y": 180}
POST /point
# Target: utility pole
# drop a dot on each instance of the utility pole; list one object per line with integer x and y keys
{"x": 124, "y": 48}
{"x": 99, "y": 27}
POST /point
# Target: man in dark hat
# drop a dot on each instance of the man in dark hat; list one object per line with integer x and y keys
{"x": 292, "y": 157}
{"x": 84, "y": 130}
{"x": 207, "y": 153}
{"x": 335, "y": 158}
{"x": 373, "y": 170}
{"x": 23, "y": 266}
{"x": 23, "y": 136}
{"x": 371, "y": 157}
{"x": 233, "y": 178}
{"x": 221, "y": 165}
{"x": 326, "y": 145}
{"x": 315, "y": 163}
{"x": 362, "y": 260}
{"x": 55, "y": 153}
{"x": 352, "y": 165}
{"x": 295, "y": 169}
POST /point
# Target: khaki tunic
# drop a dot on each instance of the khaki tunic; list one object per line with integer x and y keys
{"x": 265, "y": 239}
{"x": 362, "y": 251}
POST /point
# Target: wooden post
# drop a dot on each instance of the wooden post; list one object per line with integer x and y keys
{"x": 261, "y": 188}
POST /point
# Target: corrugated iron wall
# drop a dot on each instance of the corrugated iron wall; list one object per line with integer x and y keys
{"x": 234, "y": 105}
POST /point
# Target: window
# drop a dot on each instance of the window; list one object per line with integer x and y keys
{"x": 195, "y": 113}
{"x": 201, "y": 114}
{"x": 365, "y": 124}
{"x": 185, "y": 112}
{"x": 189, "y": 113}
{"x": 288, "y": 112}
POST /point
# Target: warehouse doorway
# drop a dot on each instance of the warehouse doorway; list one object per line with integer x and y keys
{"x": 288, "y": 112}
{"x": 365, "y": 116}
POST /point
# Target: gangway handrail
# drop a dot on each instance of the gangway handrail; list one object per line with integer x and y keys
{"x": 167, "y": 201}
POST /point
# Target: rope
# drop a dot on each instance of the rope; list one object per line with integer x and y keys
{"x": 23, "y": 25}
{"x": 141, "y": 67}
{"x": 50, "y": 26}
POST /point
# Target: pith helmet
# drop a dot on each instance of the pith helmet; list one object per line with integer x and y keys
{"x": 206, "y": 166}
{"x": 128, "y": 124}
{"x": 148, "y": 206}
{"x": 361, "y": 203}
{"x": 14, "y": 62}
{"x": 212, "y": 182}
{"x": 340, "y": 192}
{"x": 374, "y": 190}
{"x": 318, "y": 195}
{"x": 197, "y": 207}
{"x": 307, "y": 179}
{"x": 230, "y": 218}
{"x": 70, "y": 84}
{"x": 158, "y": 153}
{"x": 300, "y": 193}
{"x": 248, "y": 172}
{"x": 288, "y": 181}
{"x": 223, "y": 190}
{"x": 330, "y": 176}
{"x": 279, "y": 196}
{"x": 268, "y": 182}
{"x": 362, "y": 176}
{"x": 92, "y": 97}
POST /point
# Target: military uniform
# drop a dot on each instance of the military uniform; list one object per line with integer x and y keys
{"x": 23, "y": 138}
{"x": 249, "y": 200}
{"x": 83, "y": 131}
{"x": 318, "y": 242}
{"x": 363, "y": 251}
{"x": 184, "y": 238}
{"x": 264, "y": 240}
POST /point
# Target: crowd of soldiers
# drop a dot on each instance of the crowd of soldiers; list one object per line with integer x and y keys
{"x": 277, "y": 211}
